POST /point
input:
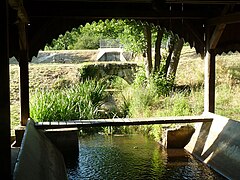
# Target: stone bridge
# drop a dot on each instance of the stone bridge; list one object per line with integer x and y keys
{"x": 105, "y": 70}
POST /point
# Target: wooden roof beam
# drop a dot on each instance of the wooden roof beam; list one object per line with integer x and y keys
{"x": 226, "y": 19}
{"x": 21, "y": 12}
{"x": 218, "y": 30}
{"x": 75, "y": 9}
{"x": 216, "y": 35}
{"x": 195, "y": 33}
{"x": 204, "y": 1}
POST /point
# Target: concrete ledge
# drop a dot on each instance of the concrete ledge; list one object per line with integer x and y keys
{"x": 217, "y": 144}
{"x": 65, "y": 139}
{"x": 38, "y": 158}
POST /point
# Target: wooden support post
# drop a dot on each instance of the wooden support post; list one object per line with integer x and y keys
{"x": 24, "y": 89}
{"x": 24, "y": 76}
{"x": 5, "y": 156}
{"x": 209, "y": 82}
{"x": 210, "y": 67}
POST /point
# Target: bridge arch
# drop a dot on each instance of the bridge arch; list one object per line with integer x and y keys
{"x": 103, "y": 70}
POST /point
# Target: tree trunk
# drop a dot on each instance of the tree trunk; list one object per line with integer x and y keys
{"x": 171, "y": 43}
{"x": 148, "y": 59}
{"x": 158, "y": 50}
{"x": 175, "y": 58}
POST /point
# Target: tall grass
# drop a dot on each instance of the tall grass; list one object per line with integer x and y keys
{"x": 79, "y": 101}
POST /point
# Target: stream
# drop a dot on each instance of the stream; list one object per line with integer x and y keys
{"x": 132, "y": 157}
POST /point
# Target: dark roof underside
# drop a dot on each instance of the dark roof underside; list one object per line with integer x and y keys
{"x": 189, "y": 19}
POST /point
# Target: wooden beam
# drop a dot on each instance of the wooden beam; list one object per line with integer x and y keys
{"x": 5, "y": 156}
{"x": 24, "y": 89}
{"x": 122, "y": 122}
{"x": 218, "y": 30}
{"x": 209, "y": 82}
{"x": 216, "y": 35}
{"x": 204, "y": 1}
{"x": 226, "y": 19}
{"x": 24, "y": 76}
{"x": 194, "y": 32}
{"x": 101, "y": 10}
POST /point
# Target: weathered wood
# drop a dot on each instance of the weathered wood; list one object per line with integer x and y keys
{"x": 218, "y": 30}
{"x": 24, "y": 76}
{"x": 24, "y": 91}
{"x": 204, "y": 1}
{"x": 226, "y": 19}
{"x": 5, "y": 156}
{"x": 209, "y": 82}
{"x": 216, "y": 35}
{"x": 209, "y": 76}
{"x": 123, "y": 122}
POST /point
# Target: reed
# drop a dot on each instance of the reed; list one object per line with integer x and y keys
{"x": 79, "y": 101}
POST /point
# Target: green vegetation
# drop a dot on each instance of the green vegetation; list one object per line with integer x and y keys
{"x": 129, "y": 33}
{"x": 141, "y": 99}
{"x": 78, "y": 101}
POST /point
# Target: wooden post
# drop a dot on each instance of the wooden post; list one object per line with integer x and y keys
{"x": 5, "y": 156}
{"x": 210, "y": 67}
{"x": 209, "y": 82}
{"x": 24, "y": 89}
{"x": 24, "y": 76}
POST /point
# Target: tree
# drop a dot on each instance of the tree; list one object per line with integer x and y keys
{"x": 148, "y": 58}
{"x": 136, "y": 37}
{"x": 170, "y": 46}
{"x": 175, "y": 58}
{"x": 158, "y": 56}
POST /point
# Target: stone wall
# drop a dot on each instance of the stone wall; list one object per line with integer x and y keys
{"x": 218, "y": 145}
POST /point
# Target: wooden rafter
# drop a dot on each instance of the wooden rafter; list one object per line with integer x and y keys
{"x": 204, "y": 1}
{"x": 194, "y": 32}
{"x": 226, "y": 19}
{"x": 21, "y": 12}
{"x": 218, "y": 30}
{"x": 216, "y": 35}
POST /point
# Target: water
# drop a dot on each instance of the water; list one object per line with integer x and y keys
{"x": 132, "y": 157}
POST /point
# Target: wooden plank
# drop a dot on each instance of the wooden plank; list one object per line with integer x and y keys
{"x": 124, "y": 122}
{"x": 71, "y": 123}
{"x": 5, "y": 157}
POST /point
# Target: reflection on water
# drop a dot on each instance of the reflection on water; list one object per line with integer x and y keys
{"x": 132, "y": 157}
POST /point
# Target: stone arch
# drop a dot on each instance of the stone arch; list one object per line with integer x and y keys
{"x": 103, "y": 70}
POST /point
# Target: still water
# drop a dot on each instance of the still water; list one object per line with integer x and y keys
{"x": 132, "y": 157}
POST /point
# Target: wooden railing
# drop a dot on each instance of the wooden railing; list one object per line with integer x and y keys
{"x": 122, "y": 122}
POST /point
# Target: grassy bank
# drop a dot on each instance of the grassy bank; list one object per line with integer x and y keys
{"x": 187, "y": 99}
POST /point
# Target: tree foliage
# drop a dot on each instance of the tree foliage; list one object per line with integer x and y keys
{"x": 128, "y": 32}
{"x": 134, "y": 36}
